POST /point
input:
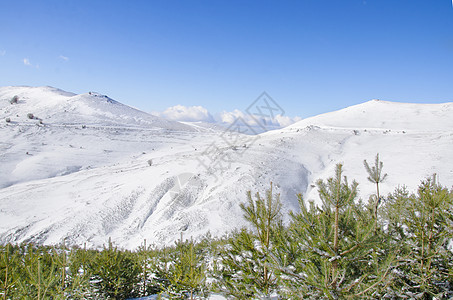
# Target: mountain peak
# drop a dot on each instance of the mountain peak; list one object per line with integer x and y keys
{"x": 55, "y": 106}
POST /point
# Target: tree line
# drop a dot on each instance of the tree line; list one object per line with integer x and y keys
{"x": 393, "y": 247}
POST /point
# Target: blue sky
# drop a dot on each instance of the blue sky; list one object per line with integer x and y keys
{"x": 311, "y": 56}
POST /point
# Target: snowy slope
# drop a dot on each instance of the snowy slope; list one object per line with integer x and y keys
{"x": 54, "y": 106}
{"x": 197, "y": 179}
{"x": 72, "y": 132}
{"x": 414, "y": 141}
{"x": 378, "y": 114}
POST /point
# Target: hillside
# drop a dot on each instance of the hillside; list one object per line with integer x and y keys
{"x": 89, "y": 184}
{"x": 378, "y": 114}
{"x": 54, "y": 106}
{"x": 70, "y": 132}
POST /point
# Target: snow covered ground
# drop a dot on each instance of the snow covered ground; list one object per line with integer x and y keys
{"x": 87, "y": 168}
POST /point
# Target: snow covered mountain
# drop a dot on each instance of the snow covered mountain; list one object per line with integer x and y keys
{"x": 51, "y": 132}
{"x": 139, "y": 177}
{"x": 377, "y": 114}
{"x": 54, "y": 106}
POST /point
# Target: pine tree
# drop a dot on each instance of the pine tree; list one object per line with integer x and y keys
{"x": 245, "y": 269}
{"x": 425, "y": 269}
{"x": 181, "y": 271}
{"x": 39, "y": 277}
{"x": 194, "y": 277}
{"x": 116, "y": 273}
{"x": 337, "y": 245}
{"x": 375, "y": 176}
{"x": 59, "y": 258}
{"x": 144, "y": 257}
{"x": 265, "y": 215}
{"x": 285, "y": 255}
{"x": 161, "y": 262}
{"x": 395, "y": 205}
{"x": 80, "y": 265}
{"x": 9, "y": 263}
{"x": 238, "y": 265}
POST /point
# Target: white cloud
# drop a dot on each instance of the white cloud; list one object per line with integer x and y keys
{"x": 259, "y": 124}
{"x": 284, "y": 121}
{"x": 225, "y": 118}
{"x": 65, "y": 58}
{"x": 228, "y": 117}
{"x": 2, "y": 52}
{"x": 29, "y": 64}
{"x": 186, "y": 114}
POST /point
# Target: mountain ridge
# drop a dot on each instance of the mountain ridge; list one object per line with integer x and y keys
{"x": 370, "y": 113}
{"x": 55, "y": 106}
